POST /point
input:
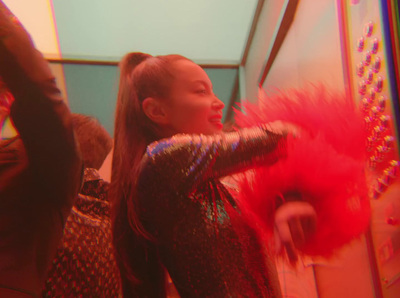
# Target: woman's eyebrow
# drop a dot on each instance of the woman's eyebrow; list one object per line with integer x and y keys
{"x": 205, "y": 83}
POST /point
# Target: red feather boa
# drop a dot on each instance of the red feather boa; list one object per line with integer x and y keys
{"x": 325, "y": 164}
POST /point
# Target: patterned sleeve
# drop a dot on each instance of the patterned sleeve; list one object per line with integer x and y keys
{"x": 185, "y": 161}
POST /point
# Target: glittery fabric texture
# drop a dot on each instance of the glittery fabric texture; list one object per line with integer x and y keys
{"x": 84, "y": 265}
{"x": 202, "y": 238}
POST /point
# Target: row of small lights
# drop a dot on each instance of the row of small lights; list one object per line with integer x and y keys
{"x": 373, "y": 104}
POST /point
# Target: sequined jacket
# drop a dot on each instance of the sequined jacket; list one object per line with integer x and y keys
{"x": 84, "y": 265}
{"x": 202, "y": 239}
{"x": 40, "y": 171}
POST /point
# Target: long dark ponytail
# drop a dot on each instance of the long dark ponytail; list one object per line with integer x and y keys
{"x": 141, "y": 76}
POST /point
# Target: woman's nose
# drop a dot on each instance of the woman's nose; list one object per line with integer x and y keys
{"x": 218, "y": 104}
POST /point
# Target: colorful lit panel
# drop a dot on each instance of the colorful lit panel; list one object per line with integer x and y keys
{"x": 370, "y": 47}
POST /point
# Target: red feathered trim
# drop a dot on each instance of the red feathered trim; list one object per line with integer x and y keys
{"x": 325, "y": 165}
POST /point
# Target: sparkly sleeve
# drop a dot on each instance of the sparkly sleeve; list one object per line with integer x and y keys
{"x": 185, "y": 161}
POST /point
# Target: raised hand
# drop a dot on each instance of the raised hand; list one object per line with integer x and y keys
{"x": 295, "y": 223}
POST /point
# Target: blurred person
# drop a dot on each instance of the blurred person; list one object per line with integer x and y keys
{"x": 40, "y": 168}
{"x": 84, "y": 265}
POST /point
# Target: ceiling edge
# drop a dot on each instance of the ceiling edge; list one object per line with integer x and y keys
{"x": 252, "y": 31}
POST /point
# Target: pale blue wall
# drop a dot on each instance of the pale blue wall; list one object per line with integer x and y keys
{"x": 205, "y": 31}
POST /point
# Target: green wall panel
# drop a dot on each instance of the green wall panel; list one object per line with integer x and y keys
{"x": 223, "y": 82}
{"x": 92, "y": 89}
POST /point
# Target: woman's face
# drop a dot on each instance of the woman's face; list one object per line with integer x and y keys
{"x": 192, "y": 106}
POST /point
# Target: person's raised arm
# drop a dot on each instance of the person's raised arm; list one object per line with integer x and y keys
{"x": 38, "y": 199}
{"x": 39, "y": 114}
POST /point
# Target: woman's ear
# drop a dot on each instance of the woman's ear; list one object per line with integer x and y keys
{"x": 154, "y": 110}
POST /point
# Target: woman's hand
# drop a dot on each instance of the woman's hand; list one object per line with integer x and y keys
{"x": 295, "y": 223}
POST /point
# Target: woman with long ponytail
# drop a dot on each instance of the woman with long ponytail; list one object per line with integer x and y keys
{"x": 171, "y": 213}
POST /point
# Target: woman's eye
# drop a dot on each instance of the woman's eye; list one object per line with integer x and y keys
{"x": 202, "y": 91}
